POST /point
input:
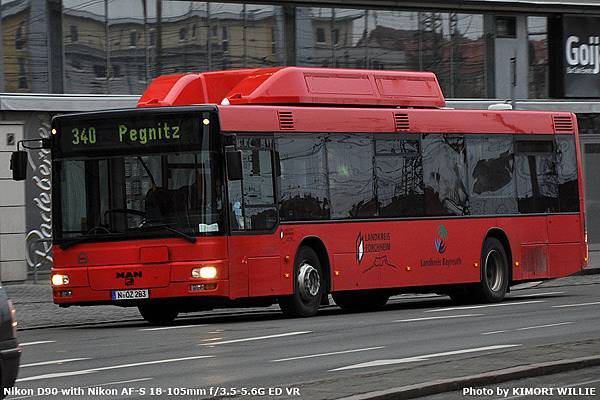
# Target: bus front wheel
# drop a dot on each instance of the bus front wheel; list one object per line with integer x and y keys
{"x": 308, "y": 285}
{"x": 158, "y": 314}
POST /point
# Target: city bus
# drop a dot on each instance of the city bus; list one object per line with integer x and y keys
{"x": 290, "y": 185}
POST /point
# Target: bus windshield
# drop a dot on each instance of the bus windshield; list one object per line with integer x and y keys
{"x": 136, "y": 191}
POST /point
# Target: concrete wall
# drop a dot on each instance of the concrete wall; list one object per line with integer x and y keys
{"x": 12, "y": 209}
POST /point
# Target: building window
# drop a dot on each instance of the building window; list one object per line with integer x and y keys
{"x": 116, "y": 71}
{"x": 335, "y": 36}
{"x": 20, "y": 36}
{"x": 506, "y": 27}
{"x": 182, "y": 34}
{"x": 74, "y": 34}
{"x": 141, "y": 72}
{"x": 537, "y": 35}
{"x": 76, "y": 65}
{"x": 152, "y": 39}
{"x": 22, "y": 74}
{"x": 225, "y": 38}
{"x": 194, "y": 31}
{"x": 320, "y": 35}
{"x": 100, "y": 71}
{"x": 214, "y": 31}
{"x": 133, "y": 38}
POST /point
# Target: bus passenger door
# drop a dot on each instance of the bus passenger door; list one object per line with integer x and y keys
{"x": 254, "y": 257}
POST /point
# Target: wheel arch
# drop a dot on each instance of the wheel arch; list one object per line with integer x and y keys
{"x": 502, "y": 237}
{"x": 315, "y": 243}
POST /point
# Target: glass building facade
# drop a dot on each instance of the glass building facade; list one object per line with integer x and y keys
{"x": 118, "y": 47}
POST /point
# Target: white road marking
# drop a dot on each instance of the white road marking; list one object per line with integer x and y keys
{"x": 528, "y": 328}
{"x": 163, "y": 328}
{"x": 543, "y": 326}
{"x": 93, "y": 370}
{"x": 537, "y": 294}
{"x": 440, "y": 317}
{"x": 53, "y": 362}
{"x": 329, "y": 354}
{"x": 577, "y": 305}
{"x": 256, "y": 338}
{"x": 425, "y": 357}
{"x": 85, "y": 387}
{"x": 119, "y": 382}
{"x": 581, "y": 383}
{"x": 38, "y": 342}
{"x": 511, "y": 303}
{"x": 212, "y": 339}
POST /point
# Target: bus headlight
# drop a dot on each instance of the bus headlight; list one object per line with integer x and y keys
{"x": 205, "y": 272}
{"x": 59, "y": 280}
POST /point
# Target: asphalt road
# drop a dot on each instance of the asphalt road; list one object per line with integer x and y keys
{"x": 329, "y": 356}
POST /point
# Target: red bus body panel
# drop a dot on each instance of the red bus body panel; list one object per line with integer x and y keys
{"x": 541, "y": 246}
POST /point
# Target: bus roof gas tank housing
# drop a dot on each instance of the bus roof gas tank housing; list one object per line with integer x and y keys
{"x": 297, "y": 86}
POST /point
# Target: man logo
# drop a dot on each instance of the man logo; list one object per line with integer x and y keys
{"x": 129, "y": 277}
{"x": 440, "y": 239}
{"x": 360, "y": 247}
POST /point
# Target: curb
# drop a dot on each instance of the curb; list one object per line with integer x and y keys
{"x": 487, "y": 378}
{"x": 588, "y": 271}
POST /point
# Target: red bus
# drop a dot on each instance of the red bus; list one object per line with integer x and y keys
{"x": 251, "y": 187}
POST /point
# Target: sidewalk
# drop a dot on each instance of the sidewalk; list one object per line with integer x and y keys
{"x": 444, "y": 373}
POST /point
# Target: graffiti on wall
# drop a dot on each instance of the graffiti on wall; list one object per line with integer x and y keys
{"x": 39, "y": 229}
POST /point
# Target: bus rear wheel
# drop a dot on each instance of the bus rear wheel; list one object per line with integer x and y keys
{"x": 494, "y": 272}
{"x": 361, "y": 301}
{"x": 308, "y": 285}
{"x": 158, "y": 314}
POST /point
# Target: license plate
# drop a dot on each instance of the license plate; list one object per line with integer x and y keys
{"x": 130, "y": 294}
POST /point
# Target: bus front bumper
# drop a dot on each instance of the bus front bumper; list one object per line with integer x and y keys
{"x": 72, "y": 286}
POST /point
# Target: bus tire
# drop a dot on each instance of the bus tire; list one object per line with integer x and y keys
{"x": 308, "y": 285}
{"x": 158, "y": 314}
{"x": 493, "y": 285}
{"x": 361, "y": 301}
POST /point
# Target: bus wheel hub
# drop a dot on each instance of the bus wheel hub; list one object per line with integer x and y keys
{"x": 309, "y": 281}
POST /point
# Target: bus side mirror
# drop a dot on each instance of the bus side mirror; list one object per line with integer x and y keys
{"x": 234, "y": 165}
{"x": 18, "y": 165}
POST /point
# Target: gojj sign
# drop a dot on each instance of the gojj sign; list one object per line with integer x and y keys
{"x": 581, "y": 41}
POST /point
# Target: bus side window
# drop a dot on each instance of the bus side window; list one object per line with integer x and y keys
{"x": 492, "y": 188}
{"x": 445, "y": 175}
{"x": 351, "y": 178}
{"x": 568, "y": 186}
{"x": 399, "y": 177}
{"x": 304, "y": 192}
{"x": 252, "y": 200}
{"x": 537, "y": 178}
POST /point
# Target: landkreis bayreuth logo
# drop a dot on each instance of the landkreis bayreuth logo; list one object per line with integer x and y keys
{"x": 440, "y": 239}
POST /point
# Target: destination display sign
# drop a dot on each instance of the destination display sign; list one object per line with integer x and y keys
{"x": 140, "y": 133}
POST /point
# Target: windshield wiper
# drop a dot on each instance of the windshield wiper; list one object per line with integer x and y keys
{"x": 72, "y": 242}
{"x": 82, "y": 239}
{"x": 170, "y": 228}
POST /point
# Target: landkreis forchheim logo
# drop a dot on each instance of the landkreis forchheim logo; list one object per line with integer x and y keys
{"x": 440, "y": 239}
{"x": 360, "y": 247}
